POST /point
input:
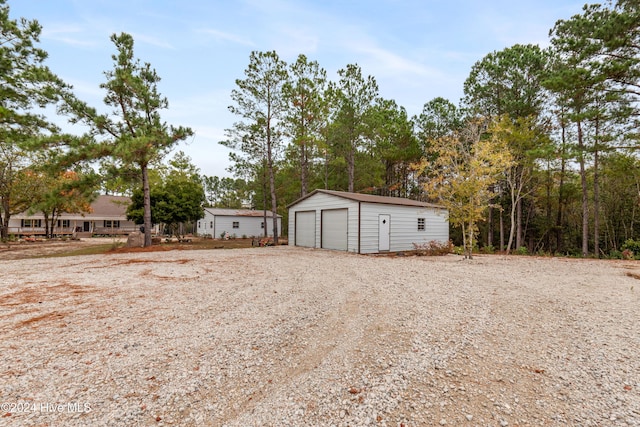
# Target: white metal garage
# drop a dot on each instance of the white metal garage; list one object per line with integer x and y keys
{"x": 364, "y": 223}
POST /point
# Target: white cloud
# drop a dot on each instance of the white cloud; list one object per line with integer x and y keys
{"x": 222, "y": 36}
{"x": 153, "y": 41}
{"x": 296, "y": 40}
{"x": 210, "y": 133}
{"x": 71, "y": 34}
{"x": 392, "y": 63}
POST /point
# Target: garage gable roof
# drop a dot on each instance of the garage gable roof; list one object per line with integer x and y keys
{"x": 370, "y": 198}
{"x": 238, "y": 212}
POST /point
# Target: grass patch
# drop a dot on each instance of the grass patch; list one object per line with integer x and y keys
{"x": 119, "y": 247}
{"x": 89, "y": 250}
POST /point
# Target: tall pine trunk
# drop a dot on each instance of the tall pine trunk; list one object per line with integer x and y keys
{"x": 548, "y": 185}
{"x": 304, "y": 167}
{"x": 146, "y": 190}
{"x": 490, "y": 227}
{"x": 351, "y": 168}
{"x": 560, "y": 216}
{"x": 351, "y": 160}
{"x": 272, "y": 189}
{"x": 264, "y": 199}
{"x": 585, "y": 194}
{"x": 596, "y": 195}
{"x": 501, "y": 230}
{"x": 272, "y": 179}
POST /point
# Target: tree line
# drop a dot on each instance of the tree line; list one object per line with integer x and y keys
{"x": 540, "y": 155}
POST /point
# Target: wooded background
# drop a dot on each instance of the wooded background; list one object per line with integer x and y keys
{"x": 540, "y": 156}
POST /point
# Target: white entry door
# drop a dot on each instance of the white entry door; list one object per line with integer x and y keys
{"x": 384, "y": 232}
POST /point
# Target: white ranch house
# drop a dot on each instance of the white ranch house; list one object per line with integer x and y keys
{"x": 363, "y": 223}
{"x": 236, "y": 222}
{"x": 108, "y": 216}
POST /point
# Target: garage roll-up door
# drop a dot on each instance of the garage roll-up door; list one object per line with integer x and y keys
{"x": 306, "y": 229}
{"x": 334, "y": 229}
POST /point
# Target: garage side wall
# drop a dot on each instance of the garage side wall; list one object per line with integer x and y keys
{"x": 250, "y": 226}
{"x": 319, "y": 202}
{"x": 403, "y": 226}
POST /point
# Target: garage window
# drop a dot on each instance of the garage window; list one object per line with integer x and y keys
{"x": 236, "y": 224}
{"x": 420, "y": 224}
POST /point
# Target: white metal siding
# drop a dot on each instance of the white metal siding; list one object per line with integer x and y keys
{"x": 335, "y": 229}
{"x": 305, "y": 229}
{"x": 249, "y": 226}
{"x": 204, "y": 227}
{"x": 404, "y": 226}
{"x": 363, "y": 226}
{"x": 319, "y": 202}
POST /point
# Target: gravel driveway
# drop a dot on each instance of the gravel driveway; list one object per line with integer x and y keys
{"x": 288, "y": 336}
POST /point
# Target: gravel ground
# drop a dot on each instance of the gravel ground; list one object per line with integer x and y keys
{"x": 287, "y": 336}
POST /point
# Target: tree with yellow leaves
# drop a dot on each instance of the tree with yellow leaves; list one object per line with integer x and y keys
{"x": 467, "y": 165}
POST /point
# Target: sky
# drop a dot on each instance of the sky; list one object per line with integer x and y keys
{"x": 417, "y": 50}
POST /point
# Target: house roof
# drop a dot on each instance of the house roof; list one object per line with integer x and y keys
{"x": 370, "y": 198}
{"x": 102, "y": 207}
{"x": 110, "y": 206}
{"x": 238, "y": 212}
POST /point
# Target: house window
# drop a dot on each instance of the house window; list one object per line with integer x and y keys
{"x": 111, "y": 224}
{"x": 31, "y": 223}
{"x": 420, "y": 224}
{"x": 236, "y": 224}
{"x": 210, "y": 224}
{"x": 64, "y": 223}
{"x": 262, "y": 225}
{"x": 199, "y": 224}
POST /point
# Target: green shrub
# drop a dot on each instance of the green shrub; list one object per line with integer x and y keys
{"x": 488, "y": 249}
{"x": 630, "y": 248}
{"x": 522, "y": 250}
{"x": 614, "y": 254}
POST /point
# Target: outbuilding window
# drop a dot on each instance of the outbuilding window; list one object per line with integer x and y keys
{"x": 420, "y": 224}
{"x": 236, "y": 224}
